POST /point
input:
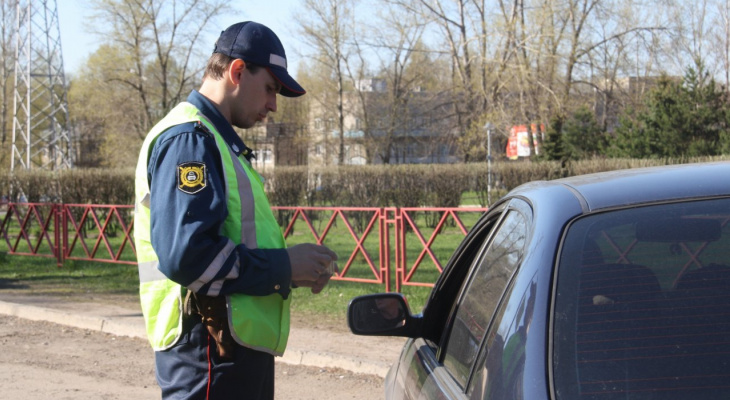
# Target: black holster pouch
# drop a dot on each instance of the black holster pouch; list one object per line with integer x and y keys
{"x": 214, "y": 314}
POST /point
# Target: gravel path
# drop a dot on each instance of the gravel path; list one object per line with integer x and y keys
{"x": 42, "y": 360}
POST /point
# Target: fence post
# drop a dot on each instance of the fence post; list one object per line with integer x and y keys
{"x": 384, "y": 252}
{"x": 64, "y": 231}
{"x": 400, "y": 248}
{"x": 57, "y": 210}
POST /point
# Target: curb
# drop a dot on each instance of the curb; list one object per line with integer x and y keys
{"x": 329, "y": 360}
{"x": 119, "y": 326}
{"x": 100, "y": 324}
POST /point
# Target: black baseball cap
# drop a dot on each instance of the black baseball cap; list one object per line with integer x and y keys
{"x": 257, "y": 44}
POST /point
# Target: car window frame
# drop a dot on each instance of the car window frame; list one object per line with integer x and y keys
{"x": 522, "y": 207}
{"x": 436, "y": 313}
{"x": 528, "y": 213}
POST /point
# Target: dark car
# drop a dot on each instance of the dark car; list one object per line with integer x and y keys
{"x": 606, "y": 286}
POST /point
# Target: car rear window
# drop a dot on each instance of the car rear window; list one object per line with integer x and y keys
{"x": 642, "y": 308}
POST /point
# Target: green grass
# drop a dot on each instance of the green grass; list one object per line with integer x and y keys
{"x": 41, "y": 276}
{"x": 333, "y": 300}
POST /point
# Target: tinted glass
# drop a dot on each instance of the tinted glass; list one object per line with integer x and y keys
{"x": 643, "y": 304}
{"x": 502, "y": 362}
{"x": 481, "y": 295}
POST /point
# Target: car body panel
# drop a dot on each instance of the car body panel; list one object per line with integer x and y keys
{"x": 642, "y": 185}
{"x": 521, "y": 342}
{"x": 419, "y": 374}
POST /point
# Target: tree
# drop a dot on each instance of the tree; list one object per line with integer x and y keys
{"x": 149, "y": 61}
{"x": 584, "y": 138}
{"x": 326, "y": 26}
{"x": 632, "y": 140}
{"x": 721, "y": 38}
{"x": 687, "y": 118}
{"x": 458, "y": 30}
{"x": 553, "y": 148}
{"x": 98, "y": 102}
{"x": 573, "y": 138}
{"x": 159, "y": 43}
{"x": 394, "y": 114}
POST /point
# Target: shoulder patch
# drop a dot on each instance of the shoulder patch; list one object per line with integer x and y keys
{"x": 191, "y": 177}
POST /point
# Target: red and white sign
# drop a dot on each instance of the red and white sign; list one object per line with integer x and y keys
{"x": 518, "y": 144}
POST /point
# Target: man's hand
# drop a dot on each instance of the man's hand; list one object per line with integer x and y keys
{"x": 320, "y": 283}
{"x": 311, "y": 265}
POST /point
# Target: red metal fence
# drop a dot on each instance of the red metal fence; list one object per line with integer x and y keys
{"x": 86, "y": 232}
{"x": 375, "y": 245}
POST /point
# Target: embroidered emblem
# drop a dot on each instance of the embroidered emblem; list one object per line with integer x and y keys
{"x": 191, "y": 177}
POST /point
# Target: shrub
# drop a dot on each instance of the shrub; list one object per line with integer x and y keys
{"x": 422, "y": 185}
{"x": 73, "y": 186}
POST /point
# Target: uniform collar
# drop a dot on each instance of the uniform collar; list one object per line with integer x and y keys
{"x": 225, "y": 129}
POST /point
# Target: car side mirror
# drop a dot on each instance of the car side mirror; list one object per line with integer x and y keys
{"x": 382, "y": 314}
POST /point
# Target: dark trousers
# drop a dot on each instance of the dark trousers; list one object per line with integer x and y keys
{"x": 192, "y": 370}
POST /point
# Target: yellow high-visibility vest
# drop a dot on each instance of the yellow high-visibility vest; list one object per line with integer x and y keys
{"x": 257, "y": 322}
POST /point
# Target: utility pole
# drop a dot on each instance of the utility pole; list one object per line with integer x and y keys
{"x": 489, "y": 127}
{"x": 41, "y": 135}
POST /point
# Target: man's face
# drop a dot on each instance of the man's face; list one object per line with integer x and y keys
{"x": 256, "y": 97}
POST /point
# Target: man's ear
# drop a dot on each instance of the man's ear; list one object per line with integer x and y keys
{"x": 235, "y": 70}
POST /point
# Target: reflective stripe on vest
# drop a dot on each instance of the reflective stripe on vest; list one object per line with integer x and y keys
{"x": 258, "y": 322}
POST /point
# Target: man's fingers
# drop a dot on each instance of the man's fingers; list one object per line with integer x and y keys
{"x": 320, "y": 283}
{"x": 331, "y": 269}
{"x": 316, "y": 286}
{"x": 325, "y": 258}
{"x": 310, "y": 261}
{"x": 326, "y": 251}
{"x": 330, "y": 253}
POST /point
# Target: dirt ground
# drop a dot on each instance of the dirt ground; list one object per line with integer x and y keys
{"x": 41, "y": 360}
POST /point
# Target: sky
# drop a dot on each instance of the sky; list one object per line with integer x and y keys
{"x": 77, "y": 44}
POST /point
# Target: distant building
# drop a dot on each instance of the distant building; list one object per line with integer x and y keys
{"x": 371, "y": 85}
{"x": 421, "y": 131}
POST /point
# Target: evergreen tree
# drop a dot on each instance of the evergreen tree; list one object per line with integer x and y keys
{"x": 708, "y": 120}
{"x": 679, "y": 119}
{"x": 573, "y": 138}
{"x": 582, "y": 135}
{"x": 724, "y": 145}
{"x": 553, "y": 147}
{"x": 631, "y": 140}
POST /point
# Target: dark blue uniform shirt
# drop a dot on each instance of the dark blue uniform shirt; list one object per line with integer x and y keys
{"x": 186, "y": 227}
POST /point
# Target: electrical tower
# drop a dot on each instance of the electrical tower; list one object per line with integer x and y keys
{"x": 41, "y": 135}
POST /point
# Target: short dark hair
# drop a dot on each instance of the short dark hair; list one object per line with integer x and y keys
{"x": 218, "y": 63}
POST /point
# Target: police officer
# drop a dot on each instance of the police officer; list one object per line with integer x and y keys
{"x": 215, "y": 273}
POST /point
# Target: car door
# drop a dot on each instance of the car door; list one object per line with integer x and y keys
{"x": 463, "y": 303}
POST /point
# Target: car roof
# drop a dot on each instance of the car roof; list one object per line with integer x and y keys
{"x": 640, "y": 185}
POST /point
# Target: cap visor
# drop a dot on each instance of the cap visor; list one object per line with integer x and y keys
{"x": 289, "y": 87}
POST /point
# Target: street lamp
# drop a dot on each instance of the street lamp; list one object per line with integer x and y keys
{"x": 489, "y": 127}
